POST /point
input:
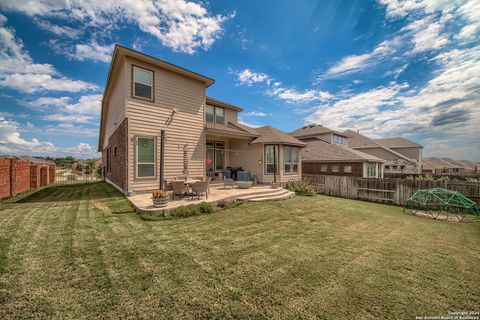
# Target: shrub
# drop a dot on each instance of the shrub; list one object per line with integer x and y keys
{"x": 224, "y": 204}
{"x": 473, "y": 180}
{"x": 186, "y": 211}
{"x": 302, "y": 187}
{"x": 205, "y": 207}
{"x": 159, "y": 194}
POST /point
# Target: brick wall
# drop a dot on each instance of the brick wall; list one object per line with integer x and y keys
{"x": 51, "y": 173}
{"x": 20, "y": 176}
{"x": 35, "y": 176}
{"x": 117, "y": 143}
{"x": 315, "y": 167}
{"x": 4, "y": 178}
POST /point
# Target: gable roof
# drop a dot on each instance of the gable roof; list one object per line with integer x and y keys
{"x": 322, "y": 151}
{"x": 269, "y": 134}
{"x": 119, "y": 53}
{"x": 398, "y": 142}
{"x": 442, "y": 163}
{"x": 312, "y": 130}
{"x": 357, "y": 140}
{"x": 230, "y": 129}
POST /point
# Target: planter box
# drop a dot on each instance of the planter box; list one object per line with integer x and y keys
{"x": 160, "y": 202}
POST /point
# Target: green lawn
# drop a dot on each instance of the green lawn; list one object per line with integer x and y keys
{"x": 81, "y": 252}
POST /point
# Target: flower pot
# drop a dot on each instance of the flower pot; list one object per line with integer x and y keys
{"x": 160, "y": 202}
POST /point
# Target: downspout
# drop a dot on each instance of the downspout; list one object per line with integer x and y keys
{"x": 162, "y": 158}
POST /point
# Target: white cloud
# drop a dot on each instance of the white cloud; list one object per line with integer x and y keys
{"x": 84, "y": 51}
{"x": 178, "y": 24}
{"x": 427, "y": 34}
{"x": 275, "y": 89}
{"x": 248, "y": 77}
{"x": 255, "y": 114}
{"x": 19, "y": 72}
{"x": 12, "y": 143}
{"x": 90, "y": 105}
{"x": 69, "y": 118}
{"x": 63, "y": 31}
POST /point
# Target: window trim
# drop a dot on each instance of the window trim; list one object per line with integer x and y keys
{"x": 338, "y": 168}
{"x": 265, "y": 172}
{"x": 215, "y": 145}
{"x": 326, "y": 168}
{"x": 132, "y": 86}
{"x": 214, "y": 114}
{"x": 347, "y": 166}
{"x": 291, "y": 163}
{"x": 135, "y": 167}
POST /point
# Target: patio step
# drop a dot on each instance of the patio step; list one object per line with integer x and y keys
{"x": 273, "y": 194}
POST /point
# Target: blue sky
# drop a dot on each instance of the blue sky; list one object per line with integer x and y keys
{"x": 385, "y": 68}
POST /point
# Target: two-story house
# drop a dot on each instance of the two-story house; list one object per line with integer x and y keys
{"x": 327, "y": 152}
{"x": 400, "y": 155}
{"x": 156, "y": 120}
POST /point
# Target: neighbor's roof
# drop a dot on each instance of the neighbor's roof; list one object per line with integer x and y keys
{"x": 269, "y": 134}
{"x": 357, "y": 140}
{"x": 322, "y": 151}
{"x": 119, "y": 53}
{"x": 311, "y": 130}
{"x": 36, "y": 160}
{"x": 218, "y": 103}
{"x": 441, "y": 163}
{"x": 398, "y": 142}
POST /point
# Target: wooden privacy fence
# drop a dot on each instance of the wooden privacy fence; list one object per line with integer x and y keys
{"x": 394, "y": 191}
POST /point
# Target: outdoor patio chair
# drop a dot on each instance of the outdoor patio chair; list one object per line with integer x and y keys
{"x": 228, "y": 182}
{"x": 199, "y": 188}
{"x": 179, "y": 189}
{"x": 254, "y": 180}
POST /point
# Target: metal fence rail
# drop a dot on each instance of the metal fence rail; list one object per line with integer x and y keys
{"x": 67, "y": 176}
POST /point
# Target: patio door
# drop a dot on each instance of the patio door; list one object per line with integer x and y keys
{"x": 215, "y": 157}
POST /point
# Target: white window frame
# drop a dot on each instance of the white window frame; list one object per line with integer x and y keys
{"x": 337, "y": 168}
{"x": 324, "y": 166}
{"x": 347, "y": 166}
{"x": 291, "y": 163}
{"x": 215, "y": 114}
{"x": 133, "y": 84}
{"x": 276, "y": 147}
{"x": 154, "y": 158}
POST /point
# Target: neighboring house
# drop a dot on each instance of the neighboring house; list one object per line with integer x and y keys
{"x": 448, "y": 165}
{"x": 321, "y": 157}
{"x": 403, "y": 156}
{"x": 150, "y": 105}
{"x": 319, "y": 132}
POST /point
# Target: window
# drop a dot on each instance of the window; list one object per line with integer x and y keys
{"x": 214, "y": 114}
{"x": 347, "y": 169}
{"x": 210, "y": 114}
{"x": 145, "y": 157}
{"x": 339, "y": 139}
{"x": 108, "y": 159}
{"x": 142, "y": 83}
{"x": 371, "y": 170}
{"x": 335, "y": 168}
{"x": 323, "y": 168}
{"x": 290, "y": 159}
{"x": 219, "y": 115}
{"x": 215, "y": 156}
{"x": 115, "y": 151}
{"x": 271, "y": 159}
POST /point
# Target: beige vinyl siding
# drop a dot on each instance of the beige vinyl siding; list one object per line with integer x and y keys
{"x": 283, "y": 177}
{"x": 186, "y": 126}
{"x": 244, "y": 155}
{"x": 116, "y": 108}
{"x": 230, "y": 116}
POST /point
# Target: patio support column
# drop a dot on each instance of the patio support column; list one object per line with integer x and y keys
{"x": 274, "y": 163}
{"x": 162, "y": 158}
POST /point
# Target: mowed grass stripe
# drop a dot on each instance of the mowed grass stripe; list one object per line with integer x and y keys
{"x": 317, "y": 257}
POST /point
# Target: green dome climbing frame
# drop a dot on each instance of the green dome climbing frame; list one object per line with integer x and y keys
{"x": 438, "y": 201}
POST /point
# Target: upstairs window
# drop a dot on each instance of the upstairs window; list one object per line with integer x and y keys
{"x": 339, "y": 140}
{"x": 142, "y": 83}
{"x": 214, "y": 114}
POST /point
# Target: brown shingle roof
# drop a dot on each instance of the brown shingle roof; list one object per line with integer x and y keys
{"x": 309, "y": 130}
{"x": 230, "y": 128}
{"x": 320, "y": 150}
{"x": 269, "y": 134}
{"x": 398, "y": 142}
{"x": 357, "y": 140}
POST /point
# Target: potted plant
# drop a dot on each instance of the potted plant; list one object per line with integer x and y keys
{"x": 160, "y": 199}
